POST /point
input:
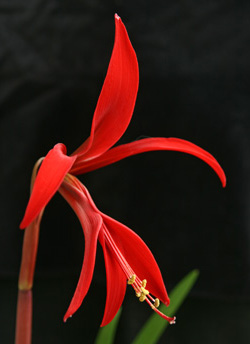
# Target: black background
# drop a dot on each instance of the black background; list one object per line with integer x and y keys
{"x": 194, "y": 61}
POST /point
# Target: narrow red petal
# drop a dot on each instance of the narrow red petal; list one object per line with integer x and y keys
{"x": 117, "y": 99}
{"x": 116, "y": 283}
{"x": 91, "y": 223}
{"x": 145, "y": 145}
{"x": 139, "y": 257}
{"x": 53, "y": 169}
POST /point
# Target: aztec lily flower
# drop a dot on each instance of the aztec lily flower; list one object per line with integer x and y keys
{"x": 126, "y": 255}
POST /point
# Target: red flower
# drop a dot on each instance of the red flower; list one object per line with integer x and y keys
{"x": 111, "y": 118}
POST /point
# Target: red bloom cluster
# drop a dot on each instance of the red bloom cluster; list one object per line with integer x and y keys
{"x": 127, "y": 258}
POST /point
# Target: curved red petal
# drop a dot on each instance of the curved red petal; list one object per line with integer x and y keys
{"x": 139, "y": 257}
{"x": 116, "y": 283}
{"x": 145, "y": 145}
{"x": 53, "y": 169}
{"x": 117, "y": 99}
{"x": 91, "y": 223}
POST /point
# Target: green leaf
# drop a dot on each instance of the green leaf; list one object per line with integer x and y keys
{"x": 106, "y": 334}
{"x": 155, "y": 326}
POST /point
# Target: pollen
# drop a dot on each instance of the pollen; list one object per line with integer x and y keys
{"x": 144, "y": 291}
{"x": 157, "y": 303}
{"x": 142, "y": 298}
{"x": 141, "y": 292}
{"x": 132, "y": 279}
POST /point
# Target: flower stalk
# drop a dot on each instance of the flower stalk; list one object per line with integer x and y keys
{"x": 26, "y": 274}
{"x": 24, "y": 317}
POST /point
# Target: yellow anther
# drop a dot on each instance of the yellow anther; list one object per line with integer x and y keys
{"x": 144, "y": 291}
{"x": 142, "y": 297}
{"x": 157, "y": 303}
{"x": 132, "y": 279}
{"x": 138, "y": 294}
{"x": 143, "y": 283}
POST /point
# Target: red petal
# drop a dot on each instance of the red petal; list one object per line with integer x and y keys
{"x": 139, "y": 257}
{"x": 117, "y": 99}
{"x": 146, "y": 145}
{"x": 116, "y": 284}
{"x": 91, "y": 223}
{"x": 53, "y": 169}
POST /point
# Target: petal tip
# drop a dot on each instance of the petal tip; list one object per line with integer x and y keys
{"x": 224, "y": 182}
{"x": 167, "y": 302}
{"x": 103, "y": 324}
{"x": 66, "y": 317}
{"x": 117, "y": 17}
{"x": 22, "y": 226}
{"x": 27, "y": 219}
{"x": 24, "y": 223}
{"x": 222, "y": 176}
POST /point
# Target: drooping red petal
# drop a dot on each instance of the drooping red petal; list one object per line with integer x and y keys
{"x": 145, "y": 145}
{"x": 116, "y": 283}
{"x": 53, "y": 169}
{"x": 91, "y": 223}
{"x": 117, "y": 99}
{"x": 136, "y": 253}
{"x": 139, "y": 257}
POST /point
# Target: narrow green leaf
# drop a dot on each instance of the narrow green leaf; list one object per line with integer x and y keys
{"x": 106, "y": 334}
{"x": 155, "y": 326}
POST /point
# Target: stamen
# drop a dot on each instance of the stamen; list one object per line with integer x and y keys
{"x": 169, "y": 319}
{"x": 144, "y": 291}
{"x": 157, "y": 303}
{"x": 120, "y": 258}
{"x": 132, "y": 279}
{"x": 142, "y": 298}
{"x": 139, "y": 285}
{"x": 144, "y": 295}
